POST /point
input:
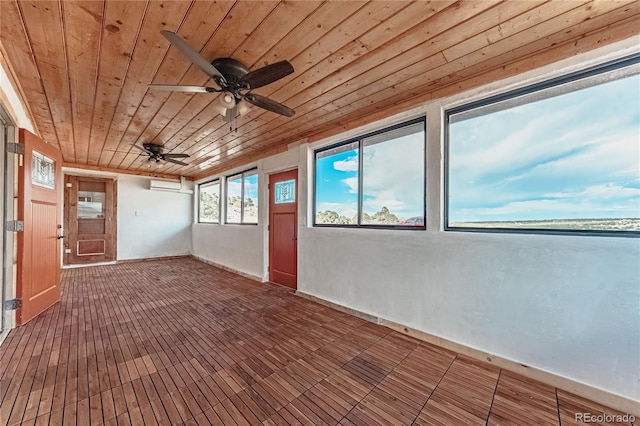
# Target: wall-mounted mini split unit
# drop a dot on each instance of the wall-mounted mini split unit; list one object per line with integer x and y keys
{"x": 169, "y": 185}
{"x": 165, "y": 185}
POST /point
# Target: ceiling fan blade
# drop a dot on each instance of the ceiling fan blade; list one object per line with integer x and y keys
{"x": 177, "y": 88}
{"x": 171, "y": 155}
{"x": 269, "y": 74}
{"x": 170, "y": 160}
{"x": 269, "y": 104}
{"x": 192, "y": 55}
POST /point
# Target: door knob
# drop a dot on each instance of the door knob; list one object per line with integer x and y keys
{"x": 60, "y": 237}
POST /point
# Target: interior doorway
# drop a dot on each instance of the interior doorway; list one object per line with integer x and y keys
{"x": 283, "y": 228}
{"x": 90, "y": 211}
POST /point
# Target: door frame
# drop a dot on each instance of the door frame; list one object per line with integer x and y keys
{"x": 113, "y": 226}
{"x": 8, "y": 209}
{"x": 268, "y": 176}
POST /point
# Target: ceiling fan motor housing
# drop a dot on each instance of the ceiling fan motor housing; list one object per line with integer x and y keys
{"x": 233, "y": 71}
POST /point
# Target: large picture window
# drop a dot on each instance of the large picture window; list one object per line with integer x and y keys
{"x": 377, "y": 180}
{"x": 560, "y": 157}
{"x": 242, "y": 198}
{"x": 209, "y": 202}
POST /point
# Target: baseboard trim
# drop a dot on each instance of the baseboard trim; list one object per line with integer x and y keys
{"x": 226, "y": 268}
{"x": 88, "y": 265}
{"x": 353, "y": 312}
{"x": 153, "y": 259}
{"x": 611, "y": 400}
{"x": 617, "y": 402}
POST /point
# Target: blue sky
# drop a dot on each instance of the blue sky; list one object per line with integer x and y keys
{"x": 572, "y": 156}
{"x": 393, "y": 178}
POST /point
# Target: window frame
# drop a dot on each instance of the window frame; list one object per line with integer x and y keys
{"x": 252, "y": 171}
{"x": 359, "y": 140}
{"x": 560, "y": 83}
{"x": 206, "y": 184}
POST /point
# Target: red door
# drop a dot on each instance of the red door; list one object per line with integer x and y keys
{"x": 283, "y": 228}
{"x": 39, "y": 194}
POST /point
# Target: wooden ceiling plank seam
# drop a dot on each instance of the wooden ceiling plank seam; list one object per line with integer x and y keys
{"x": 346, "y": 101}
{"x": 109, "y": 147}
{"x": 408, "y": 71}
{"x": 376, "y": 23}
{"x": 83, "y": 77}
{"x": 128, "y": 147}
{"x": 389, "y": 66}
{"x": 507, "y": 58}
{"x": 8, "y": 65}
{"x": 89, "y": 147}
{"x": 191, "y": 99}
{"x": 245, "y": 6}
{"x": 60, "y": 71}
{"x": 397, "y": 50}
{"x": 373, "y": 22}
{"x": 327, "y": 17}
{"x": 397, "y": 12}
{"x": 23, "y": 60}
{"x": 371, "y": 16}
{"x": 146, "y": 55}
{"x": 282, "y": 19}
{"x": 198, "y": 71}
{"x": 109, "y": 96}
{"x": 170, "y": 98}
{"x": 426, "y": 93}
{"x": 288, "y": 20}
{"x": 55, "y": 130}
{"x": 308, "y": 18}
{"x": 580, "y": 44}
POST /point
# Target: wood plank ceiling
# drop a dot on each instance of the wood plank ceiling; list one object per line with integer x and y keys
{"x": 84, "y": 66}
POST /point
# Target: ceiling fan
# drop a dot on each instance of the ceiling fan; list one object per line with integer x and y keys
{"x": 234, "y": 80}
{"x": 154, "y": 152}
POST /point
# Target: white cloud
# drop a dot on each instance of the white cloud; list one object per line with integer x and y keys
{"x": 346, "y": 165}
{"x": 394, "y": 176}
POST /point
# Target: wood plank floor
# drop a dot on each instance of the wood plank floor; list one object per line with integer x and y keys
{"x": 181, "y": 342}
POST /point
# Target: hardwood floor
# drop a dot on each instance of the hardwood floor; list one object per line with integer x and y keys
{"x": 181, "y": 342}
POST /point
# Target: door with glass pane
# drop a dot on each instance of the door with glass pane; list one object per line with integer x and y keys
{"x": 283, "y": 228}
{"x": 39, "y": 190}
{"x": 90, "y": 220}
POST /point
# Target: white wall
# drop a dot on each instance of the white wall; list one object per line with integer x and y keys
{"x": 243, "y": 248}
{"x": 152, "y": 223}
{"x": 569, "y": 305}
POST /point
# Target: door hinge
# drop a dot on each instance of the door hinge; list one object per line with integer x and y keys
{"x": 14, "y": 226}
{"x": 12, "y": 304}
{"x": 15, "y": 148}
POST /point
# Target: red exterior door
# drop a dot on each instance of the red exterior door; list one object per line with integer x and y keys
{"x": 39, "y": 194}
{"x": 283, "y": 228}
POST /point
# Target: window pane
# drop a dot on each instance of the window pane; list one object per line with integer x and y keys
{"x": 337, "y": 185}
{"x": 285, "y": 192}
{"x": 91, "y": 204}
{"x": 570, "y": 162}
{"x": 250, "y": 202}
{"x": 43, "y": 171}
{"x": 209, "y": 210}
{"x": 234, "y": 201}
{"x": 393, "y": 177}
